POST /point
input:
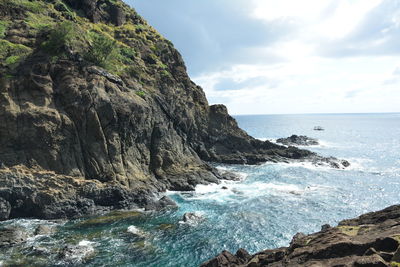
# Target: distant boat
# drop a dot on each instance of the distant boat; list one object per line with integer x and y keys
{"x": 318, "y": 128}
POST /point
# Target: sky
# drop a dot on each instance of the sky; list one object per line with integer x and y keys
{"x": 287, "y": 56}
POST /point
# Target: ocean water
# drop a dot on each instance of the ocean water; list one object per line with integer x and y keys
{"x": 264, "y": 210}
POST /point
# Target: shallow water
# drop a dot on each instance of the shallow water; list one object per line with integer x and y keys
{"x": 264, "y": 210}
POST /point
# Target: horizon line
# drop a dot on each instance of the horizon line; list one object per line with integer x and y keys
{"x": 323, "y": 113}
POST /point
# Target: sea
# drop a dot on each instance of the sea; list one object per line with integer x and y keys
{"x": 270, "y": 204}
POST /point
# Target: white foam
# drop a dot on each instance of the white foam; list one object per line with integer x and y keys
{"x": 302, "y": 164}
{"x": 86, "y": 243}
{"x": 237, "y": 191}
{"x": 136, "y": 231}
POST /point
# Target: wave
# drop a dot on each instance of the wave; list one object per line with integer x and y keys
{"x": 228, "y": 192}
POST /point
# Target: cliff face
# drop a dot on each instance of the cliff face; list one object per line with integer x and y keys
{"x": 89, "y": 90}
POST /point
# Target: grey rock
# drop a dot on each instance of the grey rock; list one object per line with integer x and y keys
{"x": 298, "y": 140}
{"x": 5, "y": 209}
{"x": 11, "y": 236}
{"x": 191, "y": 217}
{"x": 44, "y": 230}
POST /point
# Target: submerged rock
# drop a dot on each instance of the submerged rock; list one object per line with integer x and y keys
{"x": 135, "y": 231}
{"x": 109, "y": 218}
{"x": 11, "y": 236}
{"x": 298, "y": 140}
{"x": 372, "y": 239}
{"x": 44, "y": 230}
{"x": 76, "y": 254}
{"x": 192, "y": 218}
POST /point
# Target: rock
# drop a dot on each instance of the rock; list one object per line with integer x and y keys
{"x": 12, "y": 236}
{"x": 109, "y": 218}
{"x": 325, "y": 227}
{"x": 5, "y": 209}
{"x": 192, "y": 218}
{"x": 225, "y": 259}
{"x": 396, "y": 256}
{"x": 76, "y": 254}
{"x": 135, "y": 231}
{"x": 163, "y": 203}
{"x": 298, "y": 140}
{"x": 369, "y": 240}
{"x": 224, "y": 187}
{"x": 44, "y": 230}
{"x": 243, "y": 254}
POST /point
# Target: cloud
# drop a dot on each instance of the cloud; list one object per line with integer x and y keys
{"x": 268, "y": 56}
{"x": 376, "y": 34}
{"x": 212, "y": 35}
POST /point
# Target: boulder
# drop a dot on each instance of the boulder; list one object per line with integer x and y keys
{"x": 11, "y": 236}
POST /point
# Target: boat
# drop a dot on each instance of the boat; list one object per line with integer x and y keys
{"x": 318, "y": 128}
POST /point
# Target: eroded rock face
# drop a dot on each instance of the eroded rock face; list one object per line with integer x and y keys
{"x": 129, "y": 136}
{"x": 369, "y": 240}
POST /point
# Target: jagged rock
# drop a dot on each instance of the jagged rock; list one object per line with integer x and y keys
{"x": 11, "y": 236}
{"x": 369, "y": 240}
{"x": 298, "y": 140}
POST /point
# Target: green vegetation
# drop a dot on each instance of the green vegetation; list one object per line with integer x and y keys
{"x": 3, "y": 28}
{"x": 102, "y": 49}
{"x": 39, "y": 22}
{"x": 11, "y": 53}
{"x": 59, "y": 38}
{"x": 32, "y": 6}
{"x": 142, "y": 94}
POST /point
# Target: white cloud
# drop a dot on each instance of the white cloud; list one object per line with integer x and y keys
{"x": 290, "y": 56}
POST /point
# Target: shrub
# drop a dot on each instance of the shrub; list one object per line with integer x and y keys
{"x": 142, "y": 94}
{"x": 60, "y": 37}
{"x": 101, "y": 50}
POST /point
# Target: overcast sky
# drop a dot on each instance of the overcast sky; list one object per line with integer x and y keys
{"x": 287, "y": 56}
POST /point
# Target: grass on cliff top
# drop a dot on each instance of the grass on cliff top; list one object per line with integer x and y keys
{"x": 33, "y": 6}
{"x": 115, "y": 48}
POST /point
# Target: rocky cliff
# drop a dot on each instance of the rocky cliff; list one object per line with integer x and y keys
{"x": 373, "y": 239}
{"x": 97, "y": 112}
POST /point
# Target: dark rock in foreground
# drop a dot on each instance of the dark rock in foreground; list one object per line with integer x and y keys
{"x": 372, "y": 239}
{"x": 298, "y": 140}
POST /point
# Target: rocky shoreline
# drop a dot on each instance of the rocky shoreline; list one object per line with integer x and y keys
{"x": 373, "y": 239}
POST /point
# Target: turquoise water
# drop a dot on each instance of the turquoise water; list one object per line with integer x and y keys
{"x": 264, "y": 210}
